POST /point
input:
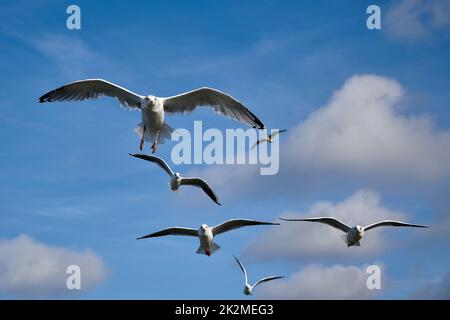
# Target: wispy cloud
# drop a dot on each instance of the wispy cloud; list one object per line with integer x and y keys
{"x": 72, "y": 55}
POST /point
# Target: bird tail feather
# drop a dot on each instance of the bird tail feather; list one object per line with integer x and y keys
{"x": 139, "y": 129}
{"x": 165, "y": 133}
{"x": 150, "y": 135}
{"x": 344, "y": 238}
{"x": 200, "y": 250}
{"x": 215, "y": 247}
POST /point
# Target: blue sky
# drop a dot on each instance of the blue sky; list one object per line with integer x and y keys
{"x": 67, "y": 180}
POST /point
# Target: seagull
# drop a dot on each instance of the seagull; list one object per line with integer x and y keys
{"x": 353, "y": 235}
{"x": 206, "y": 234}
{"x": 269, "y": 138}
{"x": 247, "y": 287}
{"x": 176, "y": 180}
{"x": 153, "y": 128}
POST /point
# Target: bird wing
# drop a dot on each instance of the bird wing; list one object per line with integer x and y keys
{"x": 174, "y": 231}
{"x": 277, "y": 133}
{"x": 197, "y": 182}
{"x": 327, "y": 220}
{"x": 242, "y": 268}
{"x": 92, "y": 89}
{"x": 237, "y": 223}
{"x": 392, "y": 223}
{"x": 159, "y": 161}
{"x": 220, "y": 102}
{"x": 258, "y": 142}
{"x": 266, "y": 279}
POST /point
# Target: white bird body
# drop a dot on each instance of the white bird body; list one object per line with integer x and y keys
{"x": 206, "y": 234}
{"x": 153, "y": 126}
{"x": 206, "y": 238}
{"x": 152, "y": 112}
{"x": 354, "y": 234}
{"x": 248, "y": 289}
{"x": 176, "y": 180}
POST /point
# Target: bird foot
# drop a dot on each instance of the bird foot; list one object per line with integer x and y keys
{"x": 153, "y": 147}
{"x": 141, "y": 145}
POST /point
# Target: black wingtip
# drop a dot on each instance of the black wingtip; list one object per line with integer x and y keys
{"x": 260, "y": 126}
{"x": 258, "y": 122}
{"x": 136, "y": 155}
{"x": 45, "y": 98}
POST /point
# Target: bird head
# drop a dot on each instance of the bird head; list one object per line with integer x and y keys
{"x": 359, "y": 229}
{"x": 204, "y": 227}
{"x": 149, "y": 101}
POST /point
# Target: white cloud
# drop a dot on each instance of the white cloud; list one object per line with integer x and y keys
{"x": 359, "y": 132}
{"x": 358, "y": 138}
{"x": 417, "y": 19}
{"x": 32, "y": 269}
{"x": 321, "y": 282}
{"x": 307, "y": 239}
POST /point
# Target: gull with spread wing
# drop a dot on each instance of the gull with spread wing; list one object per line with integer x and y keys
{"x": 153, "y": 127}
{"x": 206, "y": 234}
{"x": 249, "y": 288}
{"x": 353, "y": 235}
{"x": 176, "y": 180}
{"x": 269, "y": 138}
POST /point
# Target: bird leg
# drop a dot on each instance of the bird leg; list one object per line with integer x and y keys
{"x": 141, "y": 146}
{"x": 156, "y": 142}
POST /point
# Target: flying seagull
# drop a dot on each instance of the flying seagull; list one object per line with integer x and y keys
{"x": 269, "y": 138}
{"x": 247, "y": 287}
{"x": 206, "y": 234}
{"x": 176, "y": 180}
{"x": 353, "y": 235}
{"x": 153, "y": 128}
